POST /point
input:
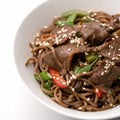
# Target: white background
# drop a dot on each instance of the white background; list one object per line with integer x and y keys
{"x": 16, "y": 102}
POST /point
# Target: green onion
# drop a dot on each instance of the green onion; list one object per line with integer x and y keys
{"x": 48, "y": 92}
{"x": 48, "y": 85}
{"x": 71, "y": 16}
{"x": 45, "y": 76}
{"x": 91, "y": 58}
{"x": 71, "y": 19}
{"x": 79, "y": 13}
{"x": 88, "y": 67}
{"x": 119, "y": 77}
{"x": 36, "y": 76}
{"x": 76, "y": 70}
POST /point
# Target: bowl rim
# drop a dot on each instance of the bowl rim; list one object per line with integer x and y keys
{"x": 64, "y": 112}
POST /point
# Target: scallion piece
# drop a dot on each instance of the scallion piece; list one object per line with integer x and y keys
{"x": 79, "y": 13}
{"x": 88, "y": 67}
{"x": 119, "y": 77}
{"x": 91, "y": 58}
{"x": 45, "y": 76}
{"x": 48, "y": 84}
{"x": 36, "y": 76}
{"x": 77, "y": 69}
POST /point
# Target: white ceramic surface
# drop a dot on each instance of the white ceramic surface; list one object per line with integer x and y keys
{"x": 40, "y": 17}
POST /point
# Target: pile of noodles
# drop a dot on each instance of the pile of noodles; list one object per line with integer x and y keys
{"x": 84, "y": 98}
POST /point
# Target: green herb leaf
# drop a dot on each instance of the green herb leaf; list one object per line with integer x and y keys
{"x": 48, "y": 85}
{"x": 119, "y": 77}
{"x": 37, "y": 77}
{"x": 79, "y": 13}
{"x": 88, "y": 67}
{"x": 77, "y": 69}
{"x": 45, "y": 76}
{"x": 90, "y": 58}
{"x": 71, "y": 19}
{"x": 71, "y": 16}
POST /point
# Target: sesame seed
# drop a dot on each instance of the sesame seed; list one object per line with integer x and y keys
{"x": 116, "y": 36}
{"x": 85, "y": 83}
{"x": 109, "y": 53}
{"x": 72, "y": 89}
{"x": 82, "y": 43}
{"x": 103, "y": 24}
{"x": 111, "y": 104}
{"x": 64, "y": 35}
{"x": 110, "y": 46}
{"x": 73, "y": 32}
{"x": 69, "y": 49}
{"x": 102, "y": 73}
{"x": 113, "y": 58}
{"x": 105, "y": 71}
{"x": 80, "y": 108}
{"x": 100, "y": 55}
{"x": 118, "y": 55}
{"x": 111, "y": 28}
{"x": 62, "y": 29}
{"x": 84, "y": 26}
{"x": 86, "y": 53}
{"x": 36, "y": 42}
{"x": 96, "y": 21}
{"x": 69, "y": 81}
{"x": 119, "y": 49}
{"x": 73, "y": 76}
{"x": 65, "y": 30}
{"x": 64, "y": 83}
{"x": 112, "y": 63}
{"x": 113, "y": 38}
{"x": 83, "y": 88}
{"x": 59, "y": 32}
{"x": 88, "y": 99}
{"x": 57, "y": 78}
{"x": 84, "y": 72}
{"x": 116, "y": 58}
{"x": 114, "y": 20}
{"x": 85, "y": 64}
{"x": 45, "y": 26}
{"x": 94, "y": 14}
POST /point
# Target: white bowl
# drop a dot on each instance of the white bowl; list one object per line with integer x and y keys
{"x": 41, "y": 16}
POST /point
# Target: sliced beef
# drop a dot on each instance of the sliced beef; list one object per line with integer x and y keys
{"x": 63, "y": 34}
{"x": 93, "y": 33}
{"x": 105, "y": 75}
{"x": 112, "y": 51}
{"x": 110, "y": 22}
{"x": 64, "y": 54}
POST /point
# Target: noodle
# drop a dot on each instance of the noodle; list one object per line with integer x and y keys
{"x": 75, "y": 61}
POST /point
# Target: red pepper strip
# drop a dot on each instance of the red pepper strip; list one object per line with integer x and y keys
{"x": 58, "y": 79}
{"x": 99, "y": 92}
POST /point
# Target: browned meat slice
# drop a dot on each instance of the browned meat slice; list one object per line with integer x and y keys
{"x": 64, "y": 54}
{"x": 105, "y": 74}
{"x": 63, "y": 34}
{"x": 93, "y": 33}
{"x": 112, "y": 51}
{"x": 110, "y": 22}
